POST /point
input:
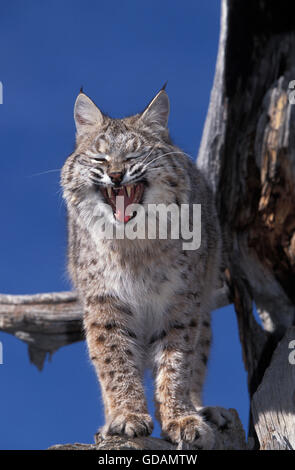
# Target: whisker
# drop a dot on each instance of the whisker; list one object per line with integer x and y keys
{"x": 156, "y": 168}
{"x": 160, "y": 156}
{"x": 43, "y": 173}
{"x": 147, "y": 155}
{"x": 140, "y": 164}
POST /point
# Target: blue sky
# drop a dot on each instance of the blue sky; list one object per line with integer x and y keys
{"x": 122, "y": 53}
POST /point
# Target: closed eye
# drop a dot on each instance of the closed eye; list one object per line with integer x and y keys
{"x": 132, "y": 156}
{"x": 143, "y": 154}
{"x": 99, "y": 158}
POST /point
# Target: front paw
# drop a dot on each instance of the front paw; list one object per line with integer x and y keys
{"x": 191, "y": 429}
{"x": 221, "y": 417}
{"x": 128, "y": 424}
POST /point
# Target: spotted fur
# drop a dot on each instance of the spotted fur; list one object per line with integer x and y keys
{"x": 146, "y": 302}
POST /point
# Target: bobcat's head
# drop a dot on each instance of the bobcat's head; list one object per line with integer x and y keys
{"x": 131, "y": 157}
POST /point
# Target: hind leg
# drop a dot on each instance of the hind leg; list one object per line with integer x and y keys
{"x": 219, "y": 416}
{"x": 199, "y": 363}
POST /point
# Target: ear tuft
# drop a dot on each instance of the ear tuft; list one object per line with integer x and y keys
{"x": 164, "y": 86}
{"x": 157, "y": 111}
{"x": 86, "y": 113}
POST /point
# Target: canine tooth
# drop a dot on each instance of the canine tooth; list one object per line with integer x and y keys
{"x": 128, "y": 189}
{"x": 109, "y": 190}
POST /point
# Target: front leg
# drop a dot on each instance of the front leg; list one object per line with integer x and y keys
{"x": 116, "y": 355}
{"x": 174, "y": 353}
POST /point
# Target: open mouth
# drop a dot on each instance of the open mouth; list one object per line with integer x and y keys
{"x": 129, "y": 194}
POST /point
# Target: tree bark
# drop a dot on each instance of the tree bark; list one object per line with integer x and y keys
{"x": 248, "y": 154}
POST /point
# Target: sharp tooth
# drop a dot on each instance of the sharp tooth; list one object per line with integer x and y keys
{"x": 110, "y": 192}
{"x": 128, "y": 189}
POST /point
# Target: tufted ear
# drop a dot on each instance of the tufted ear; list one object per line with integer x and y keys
{"x": 157, "y": 112}
{"x": 86, "y": 114}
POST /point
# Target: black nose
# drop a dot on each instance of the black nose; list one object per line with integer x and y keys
{"x": 116, "y": 177}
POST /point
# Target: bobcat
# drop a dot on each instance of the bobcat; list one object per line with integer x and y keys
{"x": 146, "y": 301}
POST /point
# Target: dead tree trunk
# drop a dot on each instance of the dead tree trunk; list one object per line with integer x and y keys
{"x": 248, "y": 154}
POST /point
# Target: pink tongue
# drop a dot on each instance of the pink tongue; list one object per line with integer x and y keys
{"x": 120, "y": 214}
{"x": 121, "y": 217}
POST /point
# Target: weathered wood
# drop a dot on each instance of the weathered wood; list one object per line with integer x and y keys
{"x": 273, "y": 404}
{"x": 248, "y": 149}
{"x": 230, "y": 438}
{"x": 44, "y": 321}
{"x": 248, "y": 154}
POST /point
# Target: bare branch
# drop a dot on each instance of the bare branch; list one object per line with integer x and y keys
{"x": 44, "y": 321}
